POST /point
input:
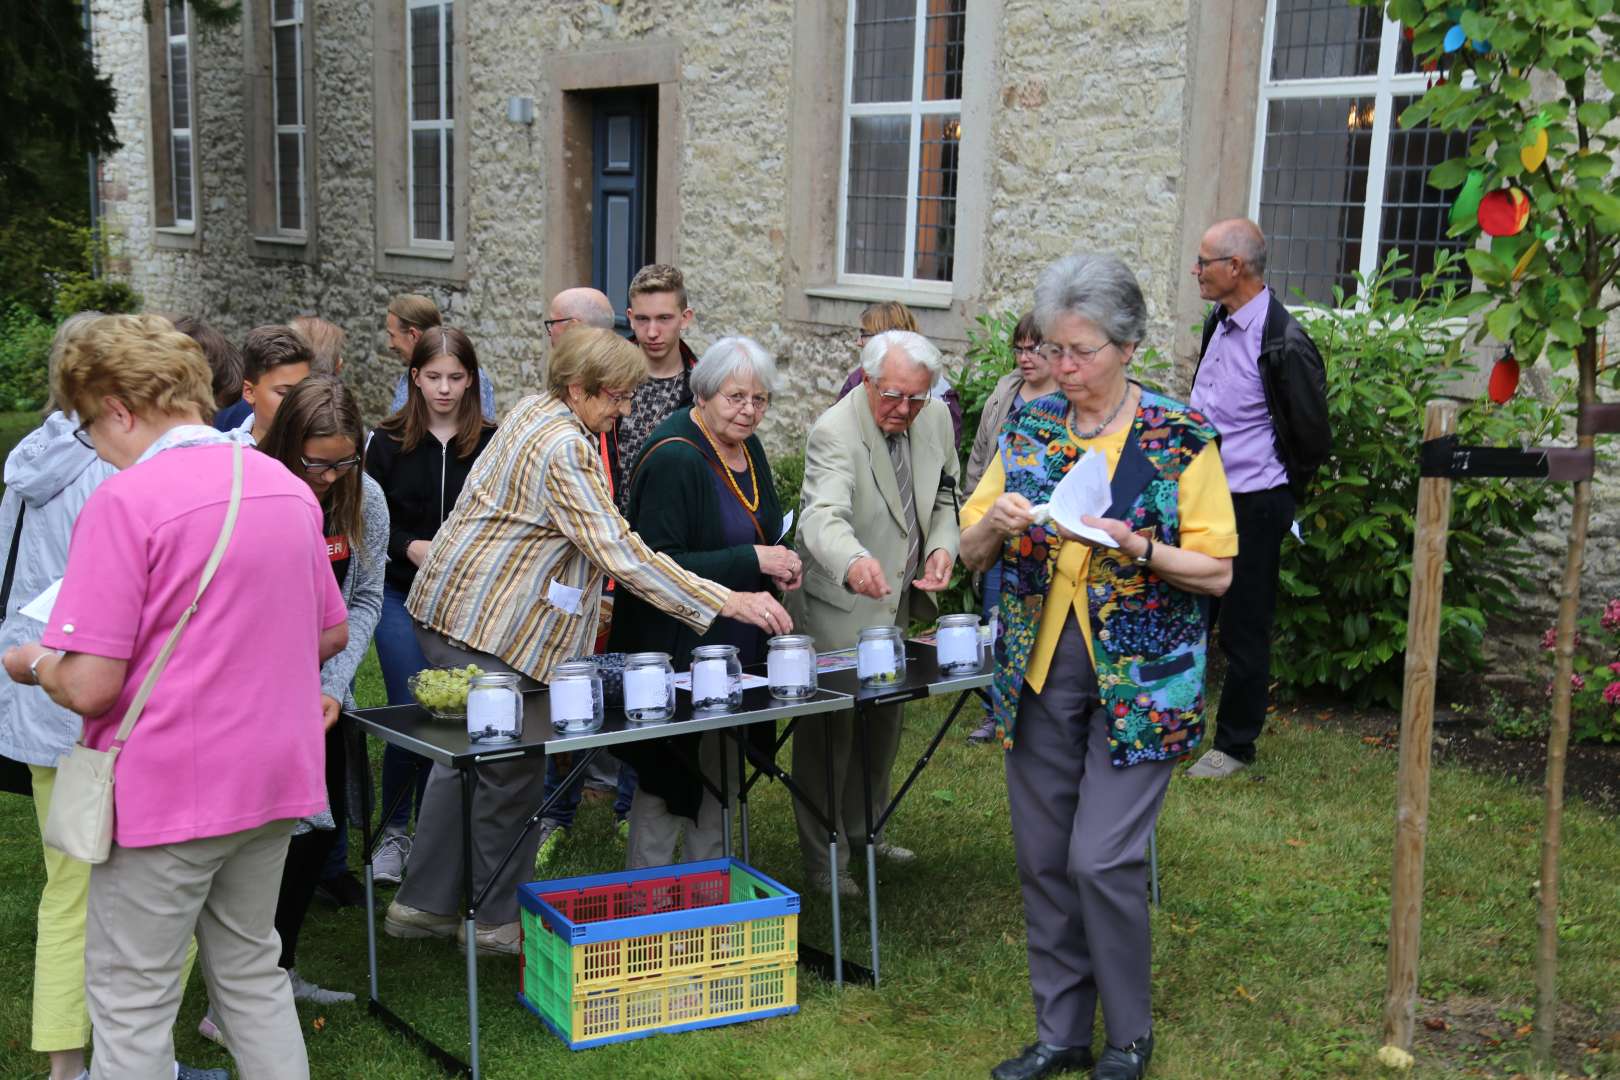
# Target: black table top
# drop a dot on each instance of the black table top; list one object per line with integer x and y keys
{"x": 923, "y": 679}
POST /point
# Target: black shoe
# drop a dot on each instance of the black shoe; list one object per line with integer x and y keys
{"x": 1040, "y": 1060}
{"x": 1128, "y": 1064}
{"x": 343, "y": 889}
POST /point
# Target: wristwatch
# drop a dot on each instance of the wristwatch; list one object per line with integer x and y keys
{"x": 33, "y": 668}
{"x": 1147, "y": 553}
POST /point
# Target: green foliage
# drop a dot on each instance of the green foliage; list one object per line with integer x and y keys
{"x": 989, "y": 357}
{"x": 81, "y": 292}
{"x": 25, "y": 349}
{"x": 56, "y": 102}
{"x": 1342, "y": 626}
{"x": 1594, "y": 707}
{"x": 787, "y": 473}
{"x": 1544, "y": 286}
{"x": 1507, "y": 719}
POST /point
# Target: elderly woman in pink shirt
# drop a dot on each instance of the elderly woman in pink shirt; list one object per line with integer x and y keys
{"x": 226, "y": 755}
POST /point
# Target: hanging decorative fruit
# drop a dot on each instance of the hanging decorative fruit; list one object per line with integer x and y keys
{"x": 1466, "y": 206}
{"x": 1504, "y": 379}
{"x": 1504, "y": 212}
{"x": 1534, "y": 152}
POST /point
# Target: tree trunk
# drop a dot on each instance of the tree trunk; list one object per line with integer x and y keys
{"x": 1546, "y": 1016}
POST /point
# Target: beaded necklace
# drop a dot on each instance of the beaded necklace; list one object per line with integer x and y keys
{"x": 1084, "y": 436}
{"x": 731, "y": 479}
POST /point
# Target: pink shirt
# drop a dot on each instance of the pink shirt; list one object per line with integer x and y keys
{"x": 231, "y": 737}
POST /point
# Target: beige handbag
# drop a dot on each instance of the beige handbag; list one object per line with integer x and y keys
{"x": 79, "y": 823}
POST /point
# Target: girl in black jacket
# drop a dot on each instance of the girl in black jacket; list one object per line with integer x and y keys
{"x": 420, "y": 456}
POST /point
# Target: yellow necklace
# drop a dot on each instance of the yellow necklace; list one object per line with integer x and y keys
{"x": 731, "y": 479}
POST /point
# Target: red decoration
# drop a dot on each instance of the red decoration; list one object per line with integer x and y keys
{"x": 1504, "y": 379}
{"x": 1504, "y": 212}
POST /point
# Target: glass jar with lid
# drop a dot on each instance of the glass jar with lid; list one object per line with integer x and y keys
{"x": 494, "y": 708}
{"x": 956, "y": 644}
{"x": 649, "y": 688}
{"x": 790, "y": 666}
{"x": 576, "y": 698}
{"x": 716, "y": 679}
{"x": 880, "y": 657}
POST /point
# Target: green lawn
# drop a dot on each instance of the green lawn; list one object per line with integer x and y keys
{"x": 1268, "y": 950}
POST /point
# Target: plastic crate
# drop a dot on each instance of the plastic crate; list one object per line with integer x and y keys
{"x": 620, "y": 956}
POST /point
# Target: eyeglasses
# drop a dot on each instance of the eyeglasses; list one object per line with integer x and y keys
{"x": 1052, "y": 353}
{"x": 895, "y": 397}
{"x": 863, "y": 336}
{"x": 314, "y": 466}
{"x": 82, "y": 433}
{"x": 1204, "y": 264}
{"x": 619, "y": 397}
{"x": 549, "y": 323}
{"x": 1026, "y": 350}
{"x": 760, "y": 402}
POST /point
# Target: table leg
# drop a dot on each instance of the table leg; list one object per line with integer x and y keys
{"x": 865, "y": 737}
{"x": 471, "y": 915}
{"x": 367, "y": 838}
{"x": 832, "y": 876}
{"x": 725, "y": 791}
{"x": 742, "y": 791}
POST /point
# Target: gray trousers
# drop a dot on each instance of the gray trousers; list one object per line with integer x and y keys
{"x": 655, "y": 829}
{"x": 1080, "y": 828}
{"x": 834, "y": 736}
{"x": 144, "y": 905}
{"x": 505, "y": 793}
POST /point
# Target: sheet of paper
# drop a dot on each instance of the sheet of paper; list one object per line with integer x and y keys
{"x": 563, "y": 596}
{"x": 787, "y": 526}
{"x": 39, "y": 608}
{"x": 709, "y": 681}
{"x": 837, "y": 660}
{"x": 1294, "y": 528}
{"x": 874, "y": 658}
{"x": 489, "y": 708}
{"x": 571, "y": 701}
{"x": 683, "y": 681}
{"x": 788, "y": 667}
{"x": 958, "y": 645}
{"x": 646, "y": 688}
{"x": 988, "y": 632}
{"x": 1084, "y": 490}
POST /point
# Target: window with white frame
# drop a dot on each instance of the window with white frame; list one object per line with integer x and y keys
{"x": 430, "y": 107}
{"x": 182, "y": 195}
{"x": 287, "y": 78}
{"x": 902, "y": 139}
{"x": 1339, "y": 183}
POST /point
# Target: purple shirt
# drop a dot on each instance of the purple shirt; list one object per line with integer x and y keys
{"x": 1230, "y": 393}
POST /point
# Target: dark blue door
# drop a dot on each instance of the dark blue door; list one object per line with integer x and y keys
{"x": 619, "y": 221}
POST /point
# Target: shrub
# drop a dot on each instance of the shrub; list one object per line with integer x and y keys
{"x": 81, "y": 292}
{"x": 1594, "y": 707}
{"x": 25, "y": 349}
{"x": 1341, "y": 624}
{"x": 787, "y": 473}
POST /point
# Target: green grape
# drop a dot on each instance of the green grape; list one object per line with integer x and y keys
{"x": 443, "y": 690}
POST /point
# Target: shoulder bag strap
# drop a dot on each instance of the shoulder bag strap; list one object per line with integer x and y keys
{"x": 714, "y": 467}
{"x": 133, "y": 713}
{"x": 11, "y": 561}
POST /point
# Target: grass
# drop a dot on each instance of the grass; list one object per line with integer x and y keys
{"x": 1268, "y": 951}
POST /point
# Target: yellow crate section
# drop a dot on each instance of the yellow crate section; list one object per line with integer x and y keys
{"x": 601, "y": 964}
{"x": 674, "y": 1003}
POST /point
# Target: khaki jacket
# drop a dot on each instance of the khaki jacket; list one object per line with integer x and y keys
{"x": 850, "y": 502}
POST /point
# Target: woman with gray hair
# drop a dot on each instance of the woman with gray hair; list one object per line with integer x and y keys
{"x": 701, "y": 493}
{"x": 1100, "y": 667}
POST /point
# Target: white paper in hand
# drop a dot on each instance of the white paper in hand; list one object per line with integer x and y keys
{"x": 1084, "y": 490}
{"x": 39, "y": 608}
{"x": 787, "y": 526}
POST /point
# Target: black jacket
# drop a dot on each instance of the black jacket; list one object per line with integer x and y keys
{"x": 422, "y": 487}
{"x": 1296, "y": 392}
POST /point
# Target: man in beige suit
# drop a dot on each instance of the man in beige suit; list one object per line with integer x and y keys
{"x": 877, "y": 533}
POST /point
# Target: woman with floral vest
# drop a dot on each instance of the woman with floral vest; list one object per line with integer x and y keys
{"x": 1099, "y": 687}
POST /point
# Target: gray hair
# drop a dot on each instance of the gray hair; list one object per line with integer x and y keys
{"x": 732, "y": 356}
{"x": 919, "y": 349}
{"x": 1099, "y": 288}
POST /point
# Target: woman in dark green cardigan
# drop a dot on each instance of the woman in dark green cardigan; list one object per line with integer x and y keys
{"x": 702, "y": 494}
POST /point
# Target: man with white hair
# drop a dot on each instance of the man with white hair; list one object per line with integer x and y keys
{"x": 877, "y": 534}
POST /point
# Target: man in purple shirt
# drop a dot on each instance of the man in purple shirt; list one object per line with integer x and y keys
{"x": 1260, "y": 381}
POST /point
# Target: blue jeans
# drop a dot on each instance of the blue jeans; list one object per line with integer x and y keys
{"x": 400, "y": 657}
{"x": 563, "y": 812}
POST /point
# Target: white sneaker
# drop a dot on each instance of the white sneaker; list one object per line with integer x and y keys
{"x": 388, "y": 864}
{"x": 1215, "y": 766}
{"x": 304, "y": 990}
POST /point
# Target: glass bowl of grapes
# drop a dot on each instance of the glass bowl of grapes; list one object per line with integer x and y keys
{"x": 443, "y": 691}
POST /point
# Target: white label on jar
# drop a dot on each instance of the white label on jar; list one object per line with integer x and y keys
{"x": 571, "y": 701}
{"x": 788, "y": 667}
{"x": 709, "y": 681}
{"x": 874, "y": 658}
{"x": 645, "y": 688}
{"x": 491, "y": 707}
{"x": 958, "y": 645}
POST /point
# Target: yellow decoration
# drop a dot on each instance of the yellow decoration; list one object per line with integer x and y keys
{"x": 1393, "y": 1057}
{"x": 1533, "y": 154}
{"x": 1524, "y": 260}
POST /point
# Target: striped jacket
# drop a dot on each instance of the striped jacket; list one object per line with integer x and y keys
{"x": 536, "y": 512}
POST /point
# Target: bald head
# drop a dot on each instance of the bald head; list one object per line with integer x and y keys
{"x": 1242, "y": 238}
{"x": 579, "y": 307}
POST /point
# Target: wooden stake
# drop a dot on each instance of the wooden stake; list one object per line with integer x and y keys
{"x": 1417, "y": 736}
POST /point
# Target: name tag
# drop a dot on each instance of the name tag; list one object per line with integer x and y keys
{"x": 337, "y": 548}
